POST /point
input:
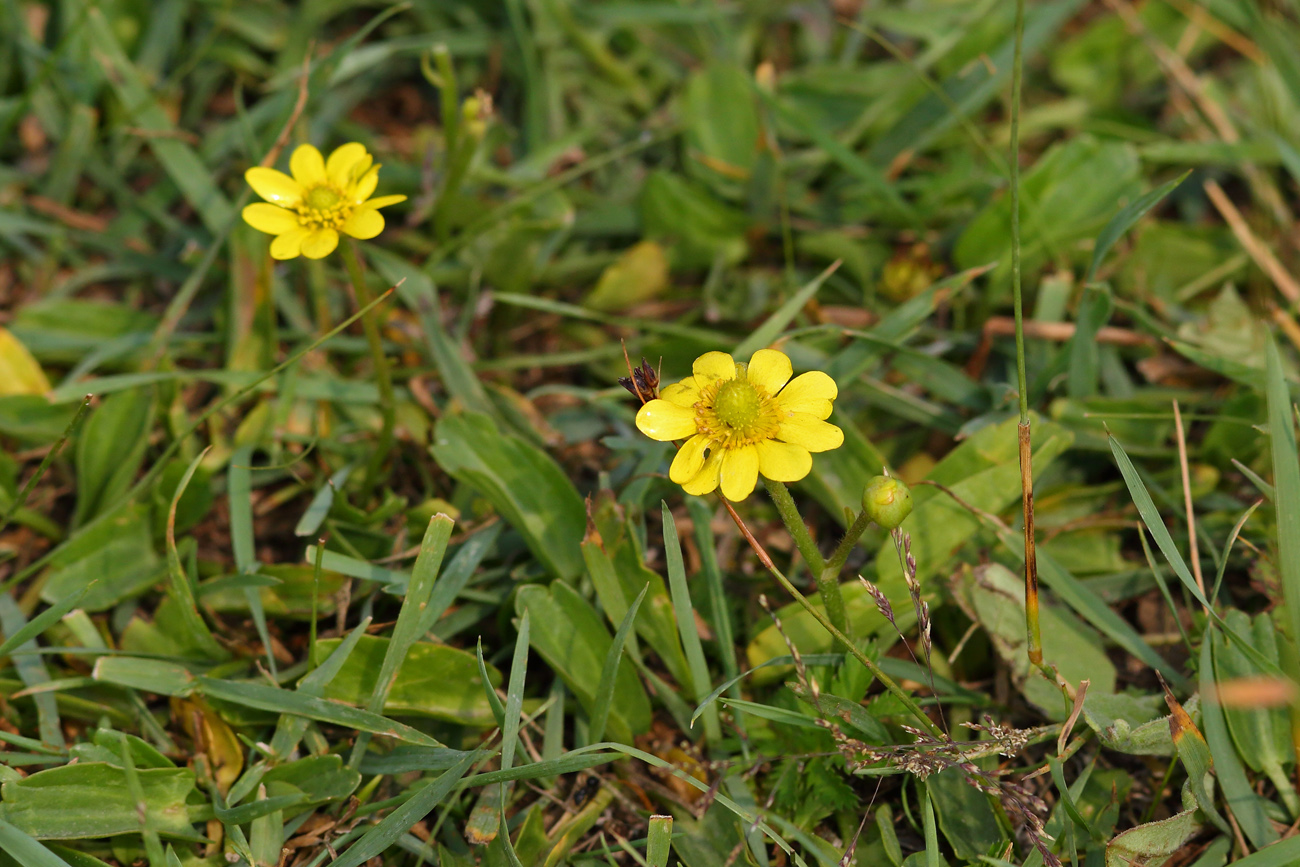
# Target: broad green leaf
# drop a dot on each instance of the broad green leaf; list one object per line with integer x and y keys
{"x": 116, "y": 554}
{"x": 110, "y": 450}
{"x": 1152, "y": 844}
{"x": 434, "y": 680}
{"x": 1066, "y": 197}
{"x": 575, "y": 643}
{"x": 522, "y": 482}
{"x": 721, "y": 120}
{"x": 995, "y": 598}
{"x": 965, "y": 817}
{"x": 149, "y": 675}
{"x": 51, "y": 804}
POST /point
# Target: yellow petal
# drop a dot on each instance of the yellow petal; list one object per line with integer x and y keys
{"x": 364, "y": 223}
{"x": 663, "y": 421}
{"x": 366, "y": 185}
{"x": 783, "y": 462}
{"x": 685, "y": 393}
{"x": 739, "y": 472}
{"x": 320, "y": 243}
{"x": 276, "y": 187}
{"x": 712, "y": 366}
{"x": 770, "y": 369}
{"x": 342, "y": 160}
{"x": 690, "y": 458}
{"x": 20, "y": 372}
{"x": 307, "y": 166}
{"x": 272, "y": 219}
{"x": 810, "y": 432}
{"x": 706, "y": 480}
{"x": 384, "y": 201}
{"x": 289, "y": 245}
{"x": 810, "y": 392}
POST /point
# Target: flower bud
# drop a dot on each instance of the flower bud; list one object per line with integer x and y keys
{"x": 887, "y": 501}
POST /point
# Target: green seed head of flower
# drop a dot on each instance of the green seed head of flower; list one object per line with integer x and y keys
{"x": 737, "y": 404}
{"x": 887, "y": 501}
{"x": 322, "y": 199}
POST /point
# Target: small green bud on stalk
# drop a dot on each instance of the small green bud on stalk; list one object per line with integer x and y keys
{"x": 887, "y": 501}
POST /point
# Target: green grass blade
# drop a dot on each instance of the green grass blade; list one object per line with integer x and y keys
{"x": 32, "y": 671}
{"x": 42, "y": 621}
{"x": 181, "y": 589}
{"x": 25, "y": 850}
{"x": 609, "y": 673}
{"x": 1125, "y": 220}
{"x": 261, "y": 696}
{"x": 690, "y": 634}
{"x": 515, "y": 695}
{"x": 1155, "y": 523}
{"x": 784, "y": 315}
{"x": 239, "y": 491}
{"x": 424, "y": 575}
{"x": 1286, "y": 481}
{"x": 386, "y": 833}
{"x": 1247, "y": 807}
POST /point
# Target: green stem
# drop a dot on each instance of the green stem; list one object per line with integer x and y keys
{"x": 1017, "y": 72}
{"x": 841, "y": 552}
{"x": 827, "y": 584}
{"x": 384, "y": 377}
{"x": 828, "y": 580}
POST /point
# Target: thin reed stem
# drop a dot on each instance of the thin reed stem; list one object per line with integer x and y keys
{"x": 1032, "y": 628}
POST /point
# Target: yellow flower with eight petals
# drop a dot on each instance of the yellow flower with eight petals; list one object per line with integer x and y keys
{"x": 306, "y": 212}
{"x": 741, "y": 420}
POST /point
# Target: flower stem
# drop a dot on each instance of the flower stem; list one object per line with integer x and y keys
{"x": 885, "y": 680}
{"x": 384, "y": 377}
{"x": 828, "y": 584}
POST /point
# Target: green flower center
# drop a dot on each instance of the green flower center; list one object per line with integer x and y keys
{"x": 324, "y": 207}
{"x": 737, "y": 404}
{"x": 322, "y": 199}
{"x": 736, "y": 413}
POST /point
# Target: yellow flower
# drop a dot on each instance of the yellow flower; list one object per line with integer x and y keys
{"x": 740, "y": 420}
{"x": 306, "y": 212}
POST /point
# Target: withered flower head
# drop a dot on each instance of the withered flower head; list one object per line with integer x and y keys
{"x": 643, "y": 383}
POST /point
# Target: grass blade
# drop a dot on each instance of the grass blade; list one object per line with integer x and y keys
{"x": 1286, "y": 482}
{"x": 181, "y": 589}
{"x": 386, "y": 833}
{"x": 685, "y": 612}
{"x": 1156, "y": 524}
{"x": 1125, "y": 220}
{"x": 25, "y": 850}
{"x": 609, "y": 674}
